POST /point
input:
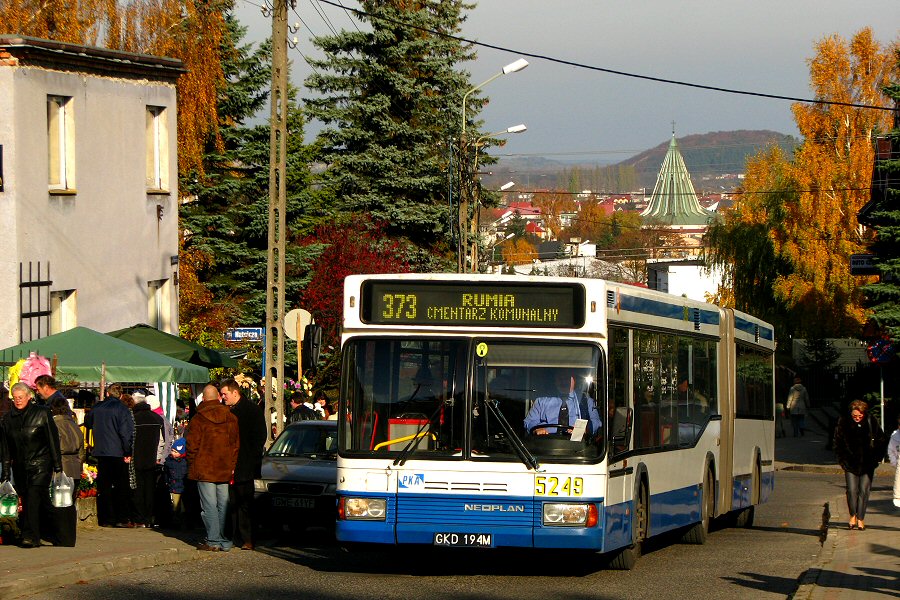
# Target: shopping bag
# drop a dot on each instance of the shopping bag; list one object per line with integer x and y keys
{"x": 9, "y": 500}
{"x": 61, "y": 490}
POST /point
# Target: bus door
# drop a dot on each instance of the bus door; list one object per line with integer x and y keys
{"x": 619, "y": 424}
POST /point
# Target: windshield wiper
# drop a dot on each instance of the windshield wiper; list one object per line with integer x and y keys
{"x": 524, "y": 454}
{"x": 412, "y": 444}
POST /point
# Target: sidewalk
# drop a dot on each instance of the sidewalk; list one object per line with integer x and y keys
{"x": 852, "y": 564}
{"x": 99, "y": 552}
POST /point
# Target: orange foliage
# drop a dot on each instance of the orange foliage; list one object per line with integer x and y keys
{"x": 812, "y": 224}
{"x": 190, "y": 30}
{"x": 553, "y": 205}
{"x": 200, "y": 317}
{"x": 832, "y": 170}
{"x": 518, "y": 252}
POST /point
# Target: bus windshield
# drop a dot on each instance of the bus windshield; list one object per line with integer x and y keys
{"x": 472, "y": 399}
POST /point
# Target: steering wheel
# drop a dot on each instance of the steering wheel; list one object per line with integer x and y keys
{"x": 559, "y": 428}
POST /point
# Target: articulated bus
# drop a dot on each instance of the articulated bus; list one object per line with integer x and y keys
{"x": 453, "y": 430}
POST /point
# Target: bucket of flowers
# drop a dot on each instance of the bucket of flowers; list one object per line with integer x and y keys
{"x": 87, "y": 487}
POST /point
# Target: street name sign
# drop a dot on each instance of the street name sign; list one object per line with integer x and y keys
{"x": 244, "y": 334}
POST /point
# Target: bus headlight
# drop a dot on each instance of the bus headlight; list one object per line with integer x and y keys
{"x": 259, "y": 485}
{"x": 566, "y": 514}
{"x": 372, "y": 509}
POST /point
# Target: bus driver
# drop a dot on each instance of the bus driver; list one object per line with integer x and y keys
{"x": 553, "y": 410}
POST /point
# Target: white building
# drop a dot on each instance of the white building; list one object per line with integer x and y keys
{"x": 88, "y": 186}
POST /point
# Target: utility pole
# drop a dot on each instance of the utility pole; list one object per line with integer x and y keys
{"x": 274, "y": 338}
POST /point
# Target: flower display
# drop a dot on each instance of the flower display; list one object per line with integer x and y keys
{"x": 87, "y": 487}
{"x": 303, "y": 385}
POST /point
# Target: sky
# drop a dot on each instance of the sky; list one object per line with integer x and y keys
{"x": 577, "y": 114}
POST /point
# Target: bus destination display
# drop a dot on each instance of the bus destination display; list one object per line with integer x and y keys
{"x": 473, "y": 303}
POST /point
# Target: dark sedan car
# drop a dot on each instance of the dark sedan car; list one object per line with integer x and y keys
{"x": 299, "y": 477}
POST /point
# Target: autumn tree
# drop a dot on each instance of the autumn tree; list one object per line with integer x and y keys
{"x": 518, "y": 251}
{"x": 807, "y": 206}
{"x": 353, "y": 245}
{"x": 553, "y": 205}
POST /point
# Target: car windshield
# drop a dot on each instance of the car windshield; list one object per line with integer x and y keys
{"x": 305, "y": 441}
{"x": 477, "y": 399}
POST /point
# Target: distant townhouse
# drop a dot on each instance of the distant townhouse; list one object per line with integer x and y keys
{"x": 88, "y": 186}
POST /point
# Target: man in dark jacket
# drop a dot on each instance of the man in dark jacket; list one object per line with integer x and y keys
{"x": 252, "y": 426}
{"x": 112, "y": 426}
{"x": 213, "y": 441}
{"x": 33, "y": 444}
{"x": 149, "y": 446}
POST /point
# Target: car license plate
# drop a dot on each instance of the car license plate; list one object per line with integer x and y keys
{"x": 464, "y": 540}
{"x": 279, "y": 501}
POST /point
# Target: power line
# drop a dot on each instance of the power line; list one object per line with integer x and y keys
{"x": 612, "y": 71}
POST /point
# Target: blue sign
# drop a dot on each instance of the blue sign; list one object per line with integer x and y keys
{"x": 410, "y": 480}
{"x": 245, "y": 334}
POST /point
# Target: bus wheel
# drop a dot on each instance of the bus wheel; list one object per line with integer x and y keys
{"x": 698, "y": 531}
{"x": 626, "y": 558}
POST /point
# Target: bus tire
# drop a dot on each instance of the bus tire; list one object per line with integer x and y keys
{"x": 626, "y": 558}
{"x": 696, "y": 533}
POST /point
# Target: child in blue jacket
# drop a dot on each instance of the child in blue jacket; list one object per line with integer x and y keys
{"x": 176, "y": 466}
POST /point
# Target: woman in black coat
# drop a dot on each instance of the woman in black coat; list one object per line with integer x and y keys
{"x": 859, "y": 444}
{"x": 33, "y": 444}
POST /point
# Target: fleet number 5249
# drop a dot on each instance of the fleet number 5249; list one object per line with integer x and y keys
{"x": 558, "y": 486}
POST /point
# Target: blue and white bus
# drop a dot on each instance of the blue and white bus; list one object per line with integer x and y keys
{"x": 449, "y": 435}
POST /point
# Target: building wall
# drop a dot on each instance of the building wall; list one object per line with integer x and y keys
{"x": 688, "y": 280}
{"x": 107, "y": 240}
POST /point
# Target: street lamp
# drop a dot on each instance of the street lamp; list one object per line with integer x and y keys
{"x": 512, "y": 67}
{"x": 476, "y": 217}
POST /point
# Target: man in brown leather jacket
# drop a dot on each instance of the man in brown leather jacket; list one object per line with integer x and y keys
{"x": 212, "y": 450}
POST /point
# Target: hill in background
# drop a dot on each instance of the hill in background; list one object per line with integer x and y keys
{"x": 713, "y": 159}
{"x": 709, "y": 155}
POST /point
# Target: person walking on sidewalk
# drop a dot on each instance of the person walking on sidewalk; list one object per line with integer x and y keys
{"x": 859, "y": 446}
{"x": 213, "y": 441}
{"x": 894, "y": 455}
{"x": 797, "y": 403}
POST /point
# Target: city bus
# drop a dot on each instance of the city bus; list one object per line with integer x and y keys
{"x": 451, "y": 424}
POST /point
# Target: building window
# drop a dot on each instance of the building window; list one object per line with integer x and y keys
{"x": 157, "y": 149}
{"x": 63, "y": 314}
{"x": 159, "y": 301}
{"x": 60, "y": 144}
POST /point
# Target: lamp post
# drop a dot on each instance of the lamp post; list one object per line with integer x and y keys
{"x": 476, "y": 197}
{"x": 464, "y": 188}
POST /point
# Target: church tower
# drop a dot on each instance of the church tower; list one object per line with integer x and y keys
{"x": 674, "y": 202}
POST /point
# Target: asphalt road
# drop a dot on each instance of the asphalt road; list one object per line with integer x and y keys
{"x": 763, "y": 562}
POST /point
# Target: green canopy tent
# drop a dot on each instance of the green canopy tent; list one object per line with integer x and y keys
{"x": 173, "y": 346}
{"x": 82, "y": 352}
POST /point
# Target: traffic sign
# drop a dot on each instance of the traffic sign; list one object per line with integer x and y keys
{"x": 861, "y": 264}
{"x": 244, "y": 334}
{"x": 295, "y": 322}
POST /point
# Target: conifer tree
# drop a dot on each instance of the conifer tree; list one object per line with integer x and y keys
{"x": 226, "y": 217}
{"x": 389, "y": 94}
{"x": 884, "y": 296}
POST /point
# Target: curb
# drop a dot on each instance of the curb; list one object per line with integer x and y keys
{"x": 810, "y": 577}
{"x": 34, "y": 584}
